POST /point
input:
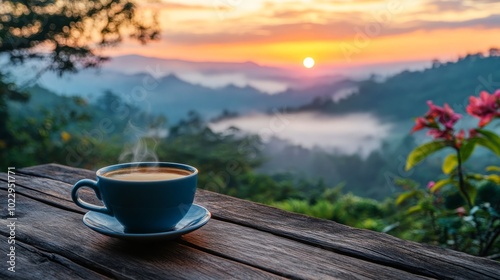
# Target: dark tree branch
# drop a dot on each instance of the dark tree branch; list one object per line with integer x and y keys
{"x": 71, "y": 31}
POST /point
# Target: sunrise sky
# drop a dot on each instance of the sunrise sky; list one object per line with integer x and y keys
{"x": 333, "y": 32}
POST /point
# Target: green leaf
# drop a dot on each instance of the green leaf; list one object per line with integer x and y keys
{"x": 489, "y": 140}
{"x": 489, "y": 145}
{"x": 390, "y": 227}
{"x": 492, "y": 136}
{"x": 467, "y": 149}
{"x": 423, "y": 151}
{"x": 440, "y": 184}
{"x": 493, "y": 168}
{"x": 493, "y": 178}
{"x": 474, "y": 210}
{"x": 493, "y": 212}
{"x": 471, "y": 191}
{"x": 426, "y": 204}
{"x": 450, "y": 163}
{"x": 404, "y": 196}
{"x": 475, "y": 176}
{"x": 414, "y": 209}
{"x": 449, "y": 223}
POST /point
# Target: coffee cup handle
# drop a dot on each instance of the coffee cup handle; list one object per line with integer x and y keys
{"x": 78, "y": 201}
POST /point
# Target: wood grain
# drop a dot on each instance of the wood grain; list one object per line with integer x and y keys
{"x": 32, "y": 263}
{"x": 364, "y": 245}
{"x": 376, "y": 247}
{"x": 246, "y": 245}
{"x": 50, "y": 191}
{"x": 284, "y": 256}
{"x": 61, "y": 233}
{"x": 62, "y": 173}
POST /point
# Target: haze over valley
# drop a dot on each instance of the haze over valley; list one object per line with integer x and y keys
{"x": 341, "y": 115}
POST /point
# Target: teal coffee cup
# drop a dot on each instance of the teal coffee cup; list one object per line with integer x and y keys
{"x": 145, "y": 197}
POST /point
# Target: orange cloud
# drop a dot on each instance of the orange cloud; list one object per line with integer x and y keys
{"x": 284, "y": 33}
{"x": 176, "y": 6}
{"x": 443, "y": 44}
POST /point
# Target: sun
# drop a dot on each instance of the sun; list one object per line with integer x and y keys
{"x": 308, "y": 62}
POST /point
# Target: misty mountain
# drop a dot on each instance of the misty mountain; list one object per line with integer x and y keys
{"x": 174, "y": 98}
{"x": 208, "y": 72}
{"x": 130, "y": 64}
{"x": 77, "y": 115}
{"x": 214, "y": 75}
{"x": 395, "y": 99}
{"x": 404, "y": 96}
{"x": 399, "y": 97}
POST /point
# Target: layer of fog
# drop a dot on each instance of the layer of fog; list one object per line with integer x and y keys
{"x": 353, "y": 133}
{"x": 259, "y": 77}
{"x": 238, "y": 79}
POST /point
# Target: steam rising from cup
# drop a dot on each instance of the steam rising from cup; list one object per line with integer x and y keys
{"x": 143, "y": 148}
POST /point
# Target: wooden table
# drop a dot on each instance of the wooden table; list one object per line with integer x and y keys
{"x": 242, "y": 240}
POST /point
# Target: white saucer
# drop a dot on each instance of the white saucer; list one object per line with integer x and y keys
{"x": 196, "y": 217}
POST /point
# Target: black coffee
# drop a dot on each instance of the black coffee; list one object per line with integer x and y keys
{"x": 147, "y": 174}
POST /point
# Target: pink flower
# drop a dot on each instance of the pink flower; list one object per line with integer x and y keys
{"x": 440, "y": 122}
{"x": 445, "y": 115}
{"x": 430, "y": 185}
{"x": 497, "y": 94}
{"x": 420, "y": 123}
{"x": 472, "y": 133}
{"x": 461, "y": 211}
{"x": 434, "y": 111}
{"x": 440, "y": 134}
{"x": 486, "y": 120}
{"x": 485, "y": 107}
{"x": 448, "y": 117}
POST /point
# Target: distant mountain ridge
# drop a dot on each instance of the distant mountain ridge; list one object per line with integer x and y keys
{"x": 400, "y": 97}
{"x": 403, "y": 96}
{"x": 251, "y": 71}
{"x": 174, "y": 98}
{"x": 138, "y": 63}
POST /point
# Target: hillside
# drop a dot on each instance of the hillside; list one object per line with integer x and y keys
{"x": 404, "y": 95}
{"x": 174, "y": 98}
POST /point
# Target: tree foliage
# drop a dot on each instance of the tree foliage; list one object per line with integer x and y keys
{"x": 67, "y": 34}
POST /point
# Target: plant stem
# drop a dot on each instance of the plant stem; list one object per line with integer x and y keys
{"x": 433, "y": 223}
{"x": 455, "y": 241}
{"x": 461, "y": 181}
{"x": 490, "y": 243}
{"x": 479, "y": 234}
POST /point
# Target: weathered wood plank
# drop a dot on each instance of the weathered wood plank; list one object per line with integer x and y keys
{"x": 250, "y": 246}
{"x": 375, "y": 247}
{"x": 49, "y": 191}
{"x": 285, "y": 256}
{"x": 61, "y": 232}
{"x": 380, "y": 248}
{"x": 31, "y": 263}
{"x": 59, "y": 172}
